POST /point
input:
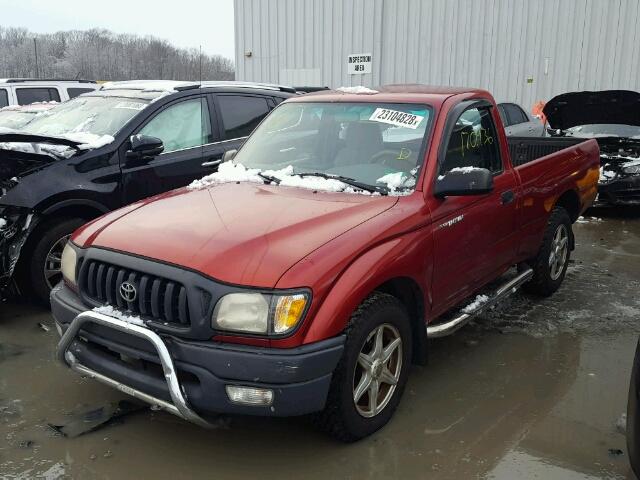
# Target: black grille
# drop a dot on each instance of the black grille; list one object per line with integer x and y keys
{"x": 156, "y": 298}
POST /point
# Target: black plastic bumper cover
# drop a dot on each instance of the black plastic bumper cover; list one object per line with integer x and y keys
{"x": 299, "y": 377}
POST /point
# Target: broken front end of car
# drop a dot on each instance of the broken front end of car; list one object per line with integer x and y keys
{"x": 620, "y": 172}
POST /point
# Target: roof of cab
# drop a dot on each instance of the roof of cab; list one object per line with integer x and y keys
{"x": 411, "y": 93}
{"x": 177, "y": 85}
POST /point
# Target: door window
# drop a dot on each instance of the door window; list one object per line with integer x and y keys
{"x": 241, "y": 114}
{"x": 74, "y": 92}
{"x": 4, "y": 97}
{"x": 473, "y": 143}
{"x": 182, "y": 125}
{"x": 515, "y": 114}
{"x": 32, "y": 95}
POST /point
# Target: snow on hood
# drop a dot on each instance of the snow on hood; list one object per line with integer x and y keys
{"x": 86, "y": 140}
{"x": 236, "y": 172}
{"x": 32, "y": 107}
{"x": 568, "y": 110}
{"x": 398, "y": 183}
{"x": 359, "y": 89}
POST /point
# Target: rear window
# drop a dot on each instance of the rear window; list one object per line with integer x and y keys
{"x": 74, "y": 92}
{"x": 4, "y": 97}
{"x": 32, "y": 95}
{"x": 241, "y": 114}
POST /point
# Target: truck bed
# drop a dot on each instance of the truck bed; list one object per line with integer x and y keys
{"x": 527, "y": 149}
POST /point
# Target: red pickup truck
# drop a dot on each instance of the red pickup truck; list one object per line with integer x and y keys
{"x": 309, "y": 271}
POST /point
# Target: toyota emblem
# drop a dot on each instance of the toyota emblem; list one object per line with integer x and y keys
{"x": 128, "y": 292}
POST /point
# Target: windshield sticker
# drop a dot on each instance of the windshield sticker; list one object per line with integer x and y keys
{"x": 397, "y": 118}
{"x": 131, "y": 105}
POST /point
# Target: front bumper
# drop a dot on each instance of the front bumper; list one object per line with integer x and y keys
{"x": 15, "y": 227}
{"x": 622, "y": 191}
{"x": 186, "y": 377}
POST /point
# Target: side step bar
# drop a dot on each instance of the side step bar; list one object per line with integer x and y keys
{"x": 447, "y": 328}
{"x": 179, "y": 407}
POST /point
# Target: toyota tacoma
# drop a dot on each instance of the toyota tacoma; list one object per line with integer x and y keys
{"x": 308, "y": 273}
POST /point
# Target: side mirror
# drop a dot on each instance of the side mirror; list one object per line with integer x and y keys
{"x": 144, "y": 147}
{"x": 464, "y": 181}
{"x": 229, "y": 155}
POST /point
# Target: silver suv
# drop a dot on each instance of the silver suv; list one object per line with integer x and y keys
{"x": 24, "y": 91}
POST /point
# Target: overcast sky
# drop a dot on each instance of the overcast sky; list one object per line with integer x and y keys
{"x": 185, "y": 23}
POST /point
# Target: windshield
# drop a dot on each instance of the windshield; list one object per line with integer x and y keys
{"x": 361, "y": 141}
{"x": 16, "y": 119}
{"x": 86, "y": 114}
{"x": 604, "y": 130}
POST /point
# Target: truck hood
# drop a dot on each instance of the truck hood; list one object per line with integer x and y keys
{"x": 568, "y": 110}
{"x": 22, "y": 153}
{"x": 244, "y": 234}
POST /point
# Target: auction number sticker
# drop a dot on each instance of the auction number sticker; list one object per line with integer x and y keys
{"x": 131, "y": 105}
{"x": 397, "y": 118}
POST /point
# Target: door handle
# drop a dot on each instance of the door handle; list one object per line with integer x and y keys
{"x": 212, "y": 163}
{"x": 507, "y": 197}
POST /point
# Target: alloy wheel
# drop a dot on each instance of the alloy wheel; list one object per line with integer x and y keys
{"x": 559, "y": 252}
{"x": 377, "y": 370}
{"x": 53, "y": 262}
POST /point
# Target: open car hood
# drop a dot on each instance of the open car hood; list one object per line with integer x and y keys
{"x": 568, "y": 110}
{"x": 29, "y": 138}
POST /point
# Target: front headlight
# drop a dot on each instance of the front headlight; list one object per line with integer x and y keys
{"x": 262, "y": 313}
{"x": 68, "y": 263}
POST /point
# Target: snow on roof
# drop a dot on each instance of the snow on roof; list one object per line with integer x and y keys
{"x": 359, "y": 89}
{"x": 146, "y": 85}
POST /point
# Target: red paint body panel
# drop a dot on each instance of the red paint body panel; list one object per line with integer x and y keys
{"x": 343, "y": 246}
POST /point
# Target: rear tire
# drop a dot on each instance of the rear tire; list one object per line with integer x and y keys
{"x": 550, "y": 265}
{"x": 374, "y": 365}
{"x": 44, "y": 265}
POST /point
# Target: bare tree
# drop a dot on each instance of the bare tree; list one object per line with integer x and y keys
{"x": 99, "y": 54}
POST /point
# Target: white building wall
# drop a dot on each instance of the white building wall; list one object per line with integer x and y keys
{"x": 520, "y": 50}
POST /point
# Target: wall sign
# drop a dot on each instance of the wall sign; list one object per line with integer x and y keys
{"x": 359, "y": 63}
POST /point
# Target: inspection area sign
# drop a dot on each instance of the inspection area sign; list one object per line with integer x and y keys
{"x": 359, "y": 63}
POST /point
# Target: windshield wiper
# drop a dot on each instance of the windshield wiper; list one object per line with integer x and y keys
{"x": 349, "y": 181}
{"x": 269, "y": 178}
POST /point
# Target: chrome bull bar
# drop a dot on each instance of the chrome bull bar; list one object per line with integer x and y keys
{"x": 179, "y": 407}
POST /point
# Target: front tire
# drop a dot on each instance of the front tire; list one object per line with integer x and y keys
{"x": 550, "y": 265}
{"x": 44, "y": 264}
{"x": 370, "y": 378}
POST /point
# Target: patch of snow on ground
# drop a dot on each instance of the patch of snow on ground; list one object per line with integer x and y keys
{"x": 357, "y": 89}
{"x": 230, "y": 172}
{"x": 477, "y": 302}
{"x": 3, "y": 222}
{"x": 582, "y": 219}
{"x": 112, "y": 312}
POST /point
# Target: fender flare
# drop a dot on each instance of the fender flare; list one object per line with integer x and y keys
{"x": 370, "y": 270}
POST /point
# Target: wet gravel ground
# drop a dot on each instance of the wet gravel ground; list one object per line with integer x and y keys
{"x": 533, "y": 389}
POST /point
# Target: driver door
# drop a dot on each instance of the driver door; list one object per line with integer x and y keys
{"x": 473, "y": 235}
{"x": 185, "y": 128}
